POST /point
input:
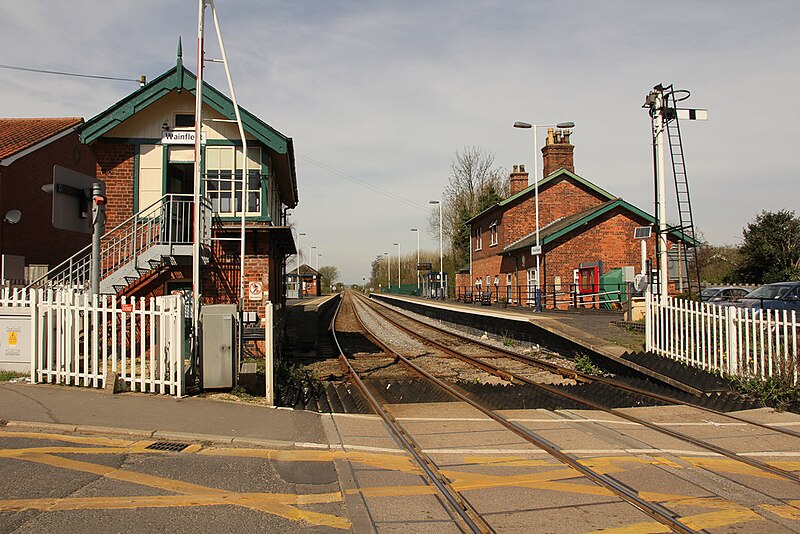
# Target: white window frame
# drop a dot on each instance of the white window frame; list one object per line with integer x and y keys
{"x": 478, "y": 238}
{"x": 223, "y": 183}
{"x": 493, "y": 231}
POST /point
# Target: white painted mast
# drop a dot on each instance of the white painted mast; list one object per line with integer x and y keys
{"x": 198, "y": 151}
{"x": 244, "y": 155}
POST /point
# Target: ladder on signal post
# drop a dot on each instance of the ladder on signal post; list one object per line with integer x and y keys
{"x": 669, "y": 115}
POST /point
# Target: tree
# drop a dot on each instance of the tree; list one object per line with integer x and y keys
{"x": 718, "y": 264}
{"x": 474, "y": 185}
{"x": 330, "y": 275}
{"x": 771, "y": 249}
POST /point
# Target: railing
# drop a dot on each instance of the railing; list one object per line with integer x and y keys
{"x": 78, "y": 340}
{"x": 735, "y": 341}
{"x": 564, "y": 296}
{"x": 168, "y": 221}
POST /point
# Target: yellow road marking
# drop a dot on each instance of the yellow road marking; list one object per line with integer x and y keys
{"x": 187, "y": 488}
{"x": 708, "y": 520}
{"x": 284, "y": 505}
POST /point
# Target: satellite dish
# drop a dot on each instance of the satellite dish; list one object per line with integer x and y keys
{"x": 13, "y": 216}
{"x": 640, "y": 282}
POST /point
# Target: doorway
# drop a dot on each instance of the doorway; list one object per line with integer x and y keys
{"x": 180, "y": 181}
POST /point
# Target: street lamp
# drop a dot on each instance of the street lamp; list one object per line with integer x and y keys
{"x": 441, "y": 255}
{"x": 317, "y": 265}
{"x": 388, "y": 270}
{"x": 417, "y": 231}
{"x": 538, "y": 248}
{"x": 299, "y": 250}
{"x": 399, "y": 278}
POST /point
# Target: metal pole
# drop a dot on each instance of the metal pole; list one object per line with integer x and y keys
{"x": 244, "y": 154}
{"x": 661, "y": 189}
{"x": 417, "y": 231}
{"x": 536, "y": 201}
{"x": 198, "y": 120}
{"x": 441, "y": 255}
{"x": 98, "y": 225}
{"x": 299, "y": 250}
{"x": 399, "y": 278}
{"x": 389, "y": 268}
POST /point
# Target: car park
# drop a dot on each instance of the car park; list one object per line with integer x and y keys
{"x": 777, "y": 296}
{"x": 722, "y": 294}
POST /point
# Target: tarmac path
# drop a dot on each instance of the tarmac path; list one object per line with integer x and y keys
{"x": 69, "y": 462}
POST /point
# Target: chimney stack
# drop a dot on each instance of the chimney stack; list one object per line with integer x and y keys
{"x": 557, "y": 153}
{"x": 518, "y": 179}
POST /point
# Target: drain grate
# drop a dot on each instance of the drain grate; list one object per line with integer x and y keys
{"x": 171, "y": 446}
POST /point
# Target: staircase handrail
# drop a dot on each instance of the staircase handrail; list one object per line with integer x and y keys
{"x": 75, "y": 261}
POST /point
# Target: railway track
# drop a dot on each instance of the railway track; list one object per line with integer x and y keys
{"x": 498, "y": 363}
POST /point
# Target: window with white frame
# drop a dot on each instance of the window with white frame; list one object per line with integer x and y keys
{"x": 224, "y": 180}
{"x": 493, "y": 232}
{"x": 478, "y": 238}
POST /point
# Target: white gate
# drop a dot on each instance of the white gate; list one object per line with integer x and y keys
{"x": 78, "y": 340}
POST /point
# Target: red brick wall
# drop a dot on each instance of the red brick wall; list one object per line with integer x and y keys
{"x": 518, "y": 220}
{"x": 21, "y": 188}
{"x": 609, "y": 240}
{"x": 557, "y": 156}
{"x": 115, "y": 165}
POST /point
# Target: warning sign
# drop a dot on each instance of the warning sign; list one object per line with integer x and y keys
{"x": 255, "y": 291}
{"x": 12, "y": 338}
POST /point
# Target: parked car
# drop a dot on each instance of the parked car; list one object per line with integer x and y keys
{"x": 778, "y": 296}
{"x": 722, "y": 294}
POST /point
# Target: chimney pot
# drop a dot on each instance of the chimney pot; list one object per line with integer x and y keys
{"x": 516, "y": 168}
{"x": 549, "y": 136}
{"x": 521, "y": 167}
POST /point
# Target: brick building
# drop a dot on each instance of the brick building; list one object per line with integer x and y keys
{"x": 29, "y": 147}
{"x": 584, "y": 231}
{"x": 144, "y": 151}
{"x": 310, "y": 281}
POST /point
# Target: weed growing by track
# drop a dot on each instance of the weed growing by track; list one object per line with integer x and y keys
{"x": 584, "y": 364}
{"x": 776, "y": 392}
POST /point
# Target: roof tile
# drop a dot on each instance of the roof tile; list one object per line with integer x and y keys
{"x": 18, "y": 134}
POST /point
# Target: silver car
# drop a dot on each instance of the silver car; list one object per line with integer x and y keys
{"x": 722, "y": 294}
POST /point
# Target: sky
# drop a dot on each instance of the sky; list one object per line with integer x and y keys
{"x": 384, "y": 93}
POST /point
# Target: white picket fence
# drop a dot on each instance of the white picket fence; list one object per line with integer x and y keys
{"x": 735, "y": 341}
{"x": 77, "y": 339}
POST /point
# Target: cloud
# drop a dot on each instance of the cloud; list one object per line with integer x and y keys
{"x": 387, "y": 92}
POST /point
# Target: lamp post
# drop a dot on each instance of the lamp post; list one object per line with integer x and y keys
{"x": 441, "y": 255}
{"x": 388, "y": 270}
{"x": 417, "y": 231}
{"x": 299, "y": 250}
{"x": 538, "y": 248}
{"x": 399, "y": 278}
{"x": 317, "y": 264}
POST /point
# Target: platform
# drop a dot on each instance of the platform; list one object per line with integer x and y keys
{"x": 307, "y": 321}
{"x": 571, "y": 334}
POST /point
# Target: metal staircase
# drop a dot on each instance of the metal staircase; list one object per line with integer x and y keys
{"x": 684, "y": 203}
{"x": 156, "y": 236}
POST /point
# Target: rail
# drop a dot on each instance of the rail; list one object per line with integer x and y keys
{"x": 623, "y": 491}
{"x": 167, "y": 221}
{"x": 470, "y": 520}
